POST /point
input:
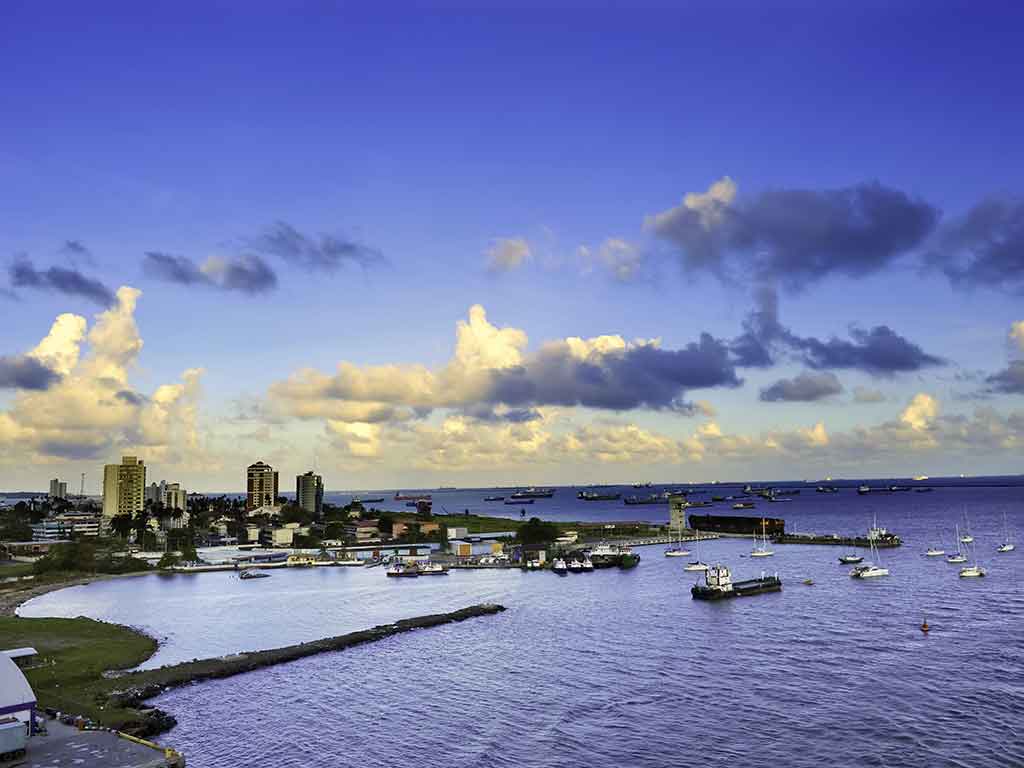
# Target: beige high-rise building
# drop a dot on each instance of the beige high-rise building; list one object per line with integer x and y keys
{"x": 309, "y": 492}
{"x": 260, "y": 486}
{"x": 175, "y": 497}
{"x": 124, "y": 487}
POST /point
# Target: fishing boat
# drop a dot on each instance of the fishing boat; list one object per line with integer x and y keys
{"x": 559, "y": 566}
{"x": 247, "y": 574}
{"x": 762, "y": 549}
{"x": 401, "y": 570}
{"x": 872, "y": 569}
{"x": 718, "y": 585}
{"x": 1007, "y": 545}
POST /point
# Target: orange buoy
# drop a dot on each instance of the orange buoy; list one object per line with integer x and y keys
{"x": 924, "y": 626}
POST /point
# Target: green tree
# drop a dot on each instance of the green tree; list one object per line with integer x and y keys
{"x": 537, "y": 531}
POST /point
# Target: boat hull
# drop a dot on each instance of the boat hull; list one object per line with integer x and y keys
{"x": 747, "y": 588}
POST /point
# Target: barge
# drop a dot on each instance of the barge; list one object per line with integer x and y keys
{"x": 718, "y": 585}
{"x": 750, "y": 526}
{"x": 888, "y": 541}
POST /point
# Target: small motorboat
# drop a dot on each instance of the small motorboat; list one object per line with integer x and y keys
{"x": 957, "y": 557}
{"x": 868, "y": 571}
{"x": 809, "y": 582}
{"x": 586, "y": 566}
{"x": 432, "y": 569}
{"x": 575, "y": 566}
{"x": 401, "y": 570}
{"x": 248, "y": 574}
{"x": 559, "y": 566}
{"x": 696, "y": 565}
{"x": 934, "y": 552}
{"x": 851, "y": 559}
{"x": 494, "y": 498}
{"x": 1007, "y": 547}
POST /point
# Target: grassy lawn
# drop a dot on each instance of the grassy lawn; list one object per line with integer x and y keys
{"x": 73, "y": 654}
{"x": 15, "y": 569}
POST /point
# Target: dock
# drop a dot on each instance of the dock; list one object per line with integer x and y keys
{"x": 66, "y": 745}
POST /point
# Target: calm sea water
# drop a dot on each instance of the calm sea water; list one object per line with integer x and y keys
{"x": 615, "y": 668}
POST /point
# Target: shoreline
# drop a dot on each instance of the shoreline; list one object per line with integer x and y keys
{"x": 12, "y": 599}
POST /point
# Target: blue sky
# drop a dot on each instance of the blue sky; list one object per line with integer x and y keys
{"x": 425, "y": 135}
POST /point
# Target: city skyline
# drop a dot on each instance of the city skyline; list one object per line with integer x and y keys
{"x": 511, "y": 250}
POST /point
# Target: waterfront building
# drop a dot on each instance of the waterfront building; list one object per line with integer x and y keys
{"x": 58, "y": 489}
{"x": 457, "y": 532}
{"x": 363, "y": 530}
{"x": 261, "y": 485}
{"x": 309, "y": 493}
{"x": 277, "y": 537}
{"x": 124, "y": 487}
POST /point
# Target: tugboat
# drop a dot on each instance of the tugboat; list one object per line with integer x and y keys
{"x": 718, "y": 585}
{"x": 400, "y": 569}
{"x": 629, "y": 559}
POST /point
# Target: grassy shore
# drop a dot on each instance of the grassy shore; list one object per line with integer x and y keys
{"x": 73, "y": 655}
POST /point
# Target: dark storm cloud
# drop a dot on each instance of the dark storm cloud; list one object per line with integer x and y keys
{"x": 638, "y": 377}
{"x": 487, "y": 413}
{"x": 23, "y": 372}
{"x": 985, "y": 247}
{"x": 798, "y": 236}
{"x": 1009, "y": 381}
{"x": 324, "y": 253}
{"x": 246, "y": 274}
{"x": 879, "y": 351}
{"x": 71, "y": 450}
{"x": 804, "y": 388}
{"x": 76, "y": 252}
{"x": 60, "y": 279}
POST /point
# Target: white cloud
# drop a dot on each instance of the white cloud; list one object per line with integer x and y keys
{"x": 93, "y": 411}
{"x": 709, "y": 206}
{"x": 921, "y": 412}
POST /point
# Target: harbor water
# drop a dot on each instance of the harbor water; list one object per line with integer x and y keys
{"x": 615, "y": 668}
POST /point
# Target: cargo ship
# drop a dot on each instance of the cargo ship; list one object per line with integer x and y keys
{"x": 533, "y": 493}
{"x": 656, "y": 498}
{"x": 399, "y": 496}
{"x": 718, "y": 585}
{"x": 746, "y": 526}
{"x": 595, "y": 496}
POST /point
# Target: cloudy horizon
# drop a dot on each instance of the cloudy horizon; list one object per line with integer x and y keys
{"x": 451, "y": 258}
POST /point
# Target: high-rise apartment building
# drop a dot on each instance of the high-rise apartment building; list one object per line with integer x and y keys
{"x": 309, "y": 492}
{"x": 58, "y": 489}
{"x": 124, "y": 487}
{"x": 260, "y": 486}
{"x": 175, "y": 497}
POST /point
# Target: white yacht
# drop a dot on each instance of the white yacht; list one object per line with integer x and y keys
{"x": 762, "y": 549}
{"x": 559, "y": 566}
{"x": 872, "y": 569}
{"x": 934, "y": 552}
{"x": 958, "y": 556}
{"x": 586, "y": 566}
{"x": 1007, "y": 545}
{"x": 971, "y": 571}
{"x": 677, "y": 550}
{"x": 575, "y": 566}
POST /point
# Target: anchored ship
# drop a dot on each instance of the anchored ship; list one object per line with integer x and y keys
{"x": 718, "y": 585}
